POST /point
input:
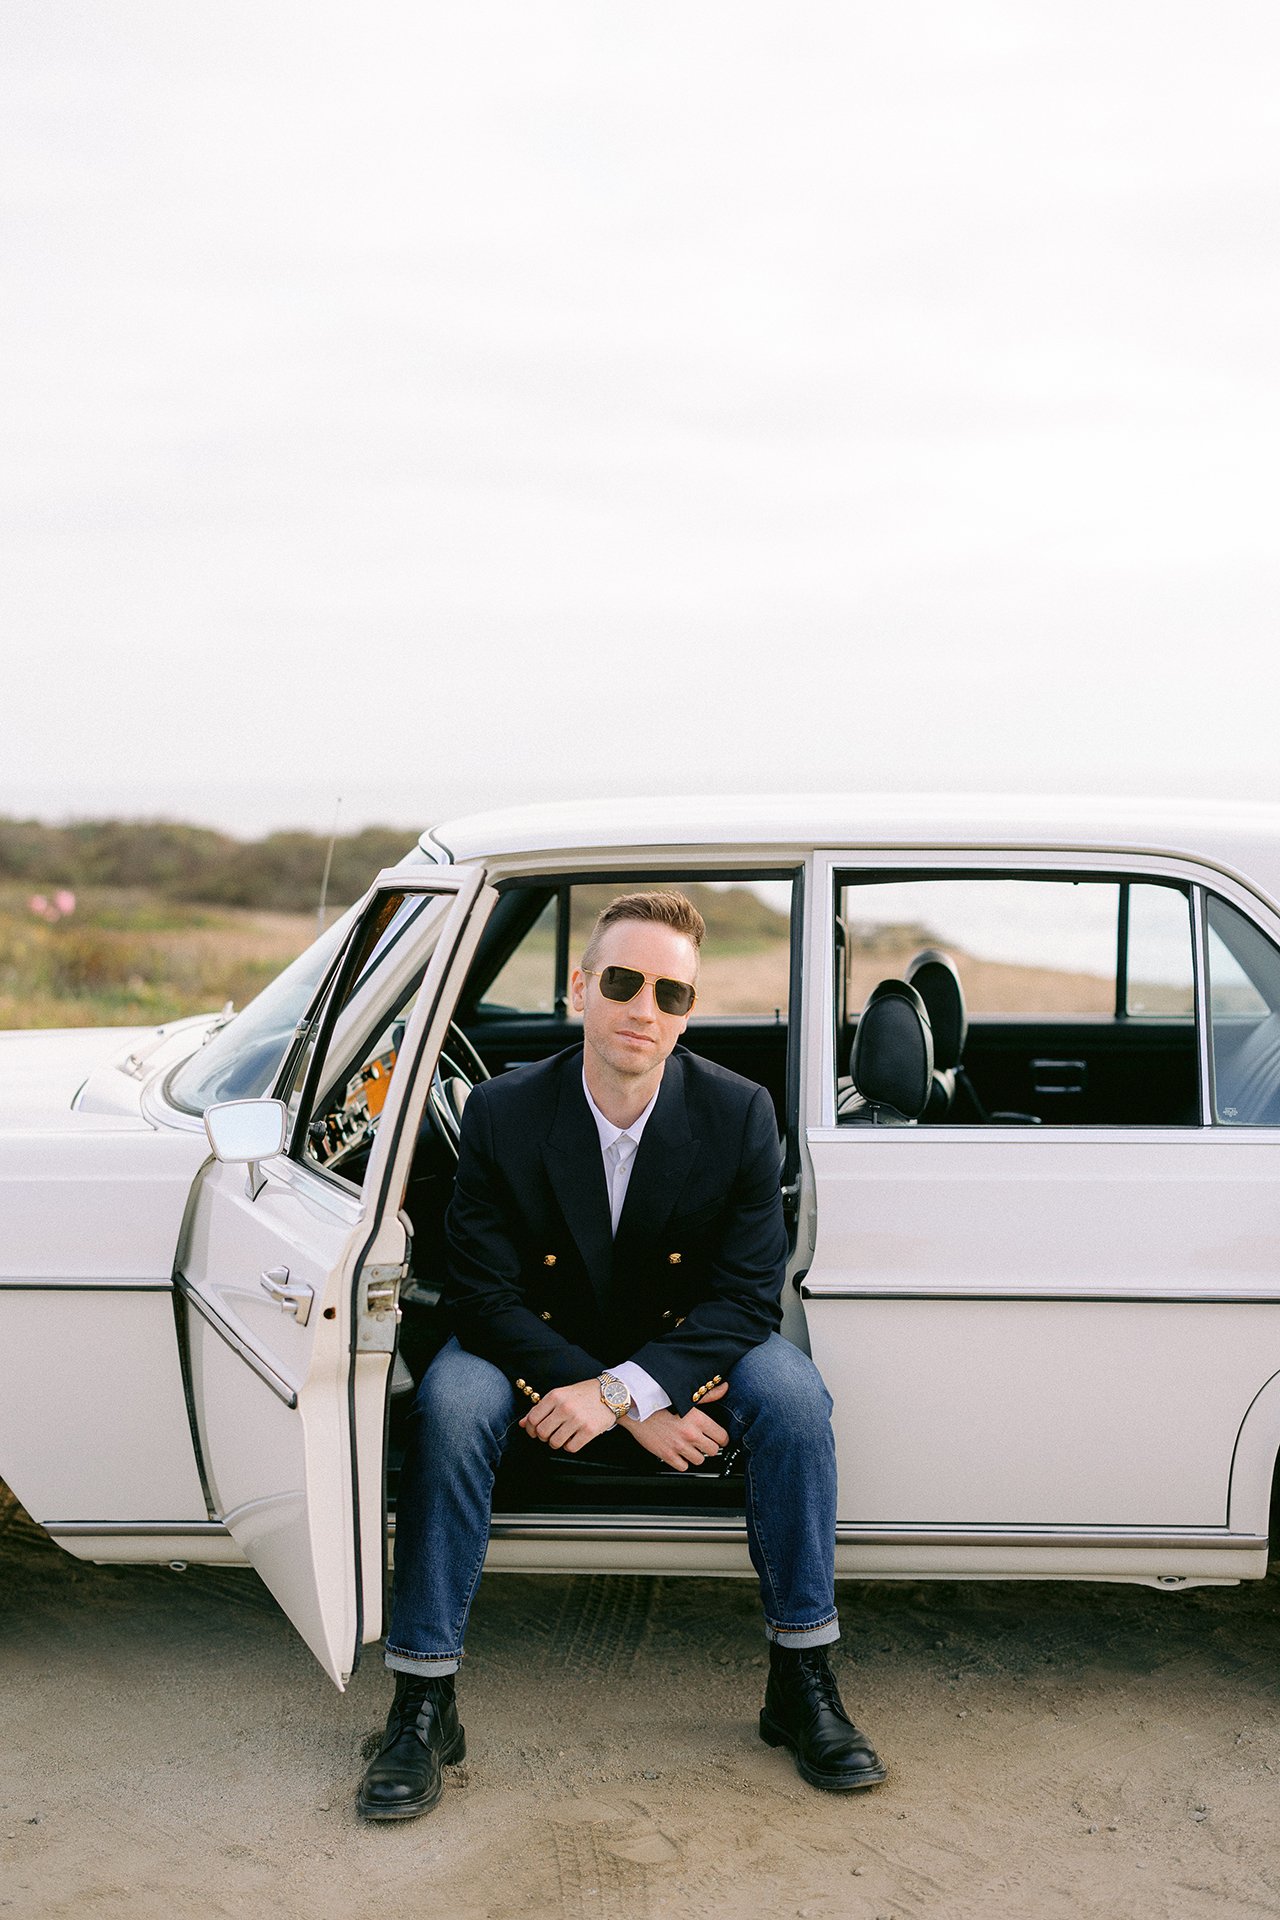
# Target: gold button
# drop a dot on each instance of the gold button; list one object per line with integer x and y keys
{"x": 667, "y": 1314}
{"x": 680, "y": 1321}
{"x": 535, "y": 1397}
{"x": 548, "y": 1259}
{"x": 673, "y": 1259}
{"x": 716, "y": 1381}
{"x": 520, "y": 1384}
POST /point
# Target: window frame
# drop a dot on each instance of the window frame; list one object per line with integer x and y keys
{"x": 627, "y": 879}
{"x": 298, "y": 1083}
{"x": 1116, "y": 864}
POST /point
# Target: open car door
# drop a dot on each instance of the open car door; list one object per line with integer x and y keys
{"x": 290, "y": 1272}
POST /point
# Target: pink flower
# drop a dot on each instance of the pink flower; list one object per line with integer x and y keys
{"x": 65, "y": 901}
{"x": 38, "y": 904}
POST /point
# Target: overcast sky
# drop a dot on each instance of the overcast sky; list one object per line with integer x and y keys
{"x": 446, "y": 406}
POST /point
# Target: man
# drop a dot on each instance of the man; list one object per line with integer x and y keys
{"x": 616, "y": 1255}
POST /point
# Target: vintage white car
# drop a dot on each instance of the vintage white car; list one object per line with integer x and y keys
{"x": 1034, "y": 1206}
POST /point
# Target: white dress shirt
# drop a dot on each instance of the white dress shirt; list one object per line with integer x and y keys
{"x": 618, "y": 1146}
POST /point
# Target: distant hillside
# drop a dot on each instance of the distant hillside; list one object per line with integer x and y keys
{"x": 281, "y": 872}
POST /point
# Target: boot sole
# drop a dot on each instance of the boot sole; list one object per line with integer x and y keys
{"x": 775, "y": 1736}
{"x": 450, "y": 1756}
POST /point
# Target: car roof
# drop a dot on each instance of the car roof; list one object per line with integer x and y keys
{"x": 1243, "y": 837}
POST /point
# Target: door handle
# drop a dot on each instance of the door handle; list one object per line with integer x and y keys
{"x": 295, "y": 1299}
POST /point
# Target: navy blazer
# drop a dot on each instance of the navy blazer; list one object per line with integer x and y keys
{"x": 536, "y": 1282}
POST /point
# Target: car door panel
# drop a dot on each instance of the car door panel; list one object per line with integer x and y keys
{"x": 1015, "y": 1326}
{"x": 290, "y": 1408}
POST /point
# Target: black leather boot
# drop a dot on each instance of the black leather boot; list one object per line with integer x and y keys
{"x": 404, "y": 1777}
{"x": 803, "y": 1710}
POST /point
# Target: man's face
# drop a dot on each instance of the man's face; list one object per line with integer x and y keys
{"x": 634, "y": 1037}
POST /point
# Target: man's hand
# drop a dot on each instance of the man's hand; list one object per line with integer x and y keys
{"x": 682, "y": 1441}
{"x": 569, "y": 1417}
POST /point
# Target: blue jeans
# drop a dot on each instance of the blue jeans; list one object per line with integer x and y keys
{"x": 465, "y": 1411}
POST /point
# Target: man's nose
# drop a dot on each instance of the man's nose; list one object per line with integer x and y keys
{"x": 644, "y": 1002}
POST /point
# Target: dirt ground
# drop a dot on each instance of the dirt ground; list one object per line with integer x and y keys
{"x": 170, "y": 1749}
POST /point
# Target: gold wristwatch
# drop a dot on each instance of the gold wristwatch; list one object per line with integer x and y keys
{"x": 616, "y": 1394}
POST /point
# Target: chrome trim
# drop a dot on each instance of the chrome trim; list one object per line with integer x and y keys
{"x": 151, "y": 1529}
{"x": 278, "y": 1385}
{"x": 1204, "y": 1030}
{"x": 705, "y": 1530}
{"x": 87, "y": 1286}
{"x": 1148, "y": 1296}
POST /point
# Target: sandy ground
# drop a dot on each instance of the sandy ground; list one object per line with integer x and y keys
{"x": 169, "y": 1748}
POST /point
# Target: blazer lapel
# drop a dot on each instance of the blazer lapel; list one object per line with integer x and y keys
{"x": 575, "y": 1168}
{"x": 666, "y": 1153}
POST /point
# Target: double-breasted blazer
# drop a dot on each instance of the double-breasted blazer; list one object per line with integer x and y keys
{"x": 537, "y": 1283}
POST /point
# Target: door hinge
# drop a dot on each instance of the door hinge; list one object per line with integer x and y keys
{"x": 378, "y": 1312}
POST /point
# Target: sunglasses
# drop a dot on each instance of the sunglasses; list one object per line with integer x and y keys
{"x": 624, "y": 983}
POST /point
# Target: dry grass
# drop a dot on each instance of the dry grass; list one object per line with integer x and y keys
{"x": 124, "y": 958}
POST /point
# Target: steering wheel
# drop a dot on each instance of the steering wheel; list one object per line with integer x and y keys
{"x": 457, "y": 1071}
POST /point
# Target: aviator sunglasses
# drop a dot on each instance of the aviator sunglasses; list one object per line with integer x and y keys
{"x": 624, "y": 983}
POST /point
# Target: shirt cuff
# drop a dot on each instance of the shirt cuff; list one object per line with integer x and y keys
{"x": 646, "y": 1395}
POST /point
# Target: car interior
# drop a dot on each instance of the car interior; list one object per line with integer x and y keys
{"x": 513, "y": 1010}
{"x": 962, "y": 1000}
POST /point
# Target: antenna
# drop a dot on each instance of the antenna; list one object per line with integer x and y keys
{"x": 328, "y": 862}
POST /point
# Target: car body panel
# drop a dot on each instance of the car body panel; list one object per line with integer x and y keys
{"x": 94, "y": 1416}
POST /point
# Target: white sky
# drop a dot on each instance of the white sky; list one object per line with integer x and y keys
{"x": 449, "y": 406}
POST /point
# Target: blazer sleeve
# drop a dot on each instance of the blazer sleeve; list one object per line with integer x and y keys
{"x": 482, "y": 1292}
{"x": 741, "y": 1304}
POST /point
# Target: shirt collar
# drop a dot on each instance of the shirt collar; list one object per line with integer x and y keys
{"x": 606, "y": 1129}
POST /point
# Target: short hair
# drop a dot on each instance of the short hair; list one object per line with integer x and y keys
{"x": 659, "y": 909}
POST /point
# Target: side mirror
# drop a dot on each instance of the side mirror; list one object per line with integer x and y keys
{"x": 247, "y": 1131}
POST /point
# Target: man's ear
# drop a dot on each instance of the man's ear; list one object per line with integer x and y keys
{"x": 577, "y": 988}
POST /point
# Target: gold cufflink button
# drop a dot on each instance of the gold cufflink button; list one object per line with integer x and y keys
{"x": 520, "y": 1384}
{"x": 673, "y": 1259}
{"x": 548, "y": 1259}
{"x": 546, "y": 1316}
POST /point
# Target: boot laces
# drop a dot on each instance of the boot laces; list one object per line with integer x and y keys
{"x": 415, "y": 1701}
{"x": 820, "y": 1681}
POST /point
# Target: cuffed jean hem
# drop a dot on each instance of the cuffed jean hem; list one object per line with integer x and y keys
{"x": 820, "y": 1636}
{"x": 426, "y": 1666}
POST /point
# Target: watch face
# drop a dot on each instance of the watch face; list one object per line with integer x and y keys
{"x": 614, "y": 1394}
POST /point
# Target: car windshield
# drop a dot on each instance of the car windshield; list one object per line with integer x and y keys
{"x": 239, "y": 1061}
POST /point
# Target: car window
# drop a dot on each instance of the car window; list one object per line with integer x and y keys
{"x": 345, "y": 1065}
{"x": 240, "y": 1060}
{"x": 1025, "y": 947}
{"x": 526, "y": 981}
{"x": 746, "y": 961}
{"x": 1244, "y": 1018}
{"x": 1066, "y": 1000}
{"x": 1159, "y": 971}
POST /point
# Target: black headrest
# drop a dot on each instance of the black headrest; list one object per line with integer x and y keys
{"x": 891, "y": 1064}
{"x": 934, "y": 977}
